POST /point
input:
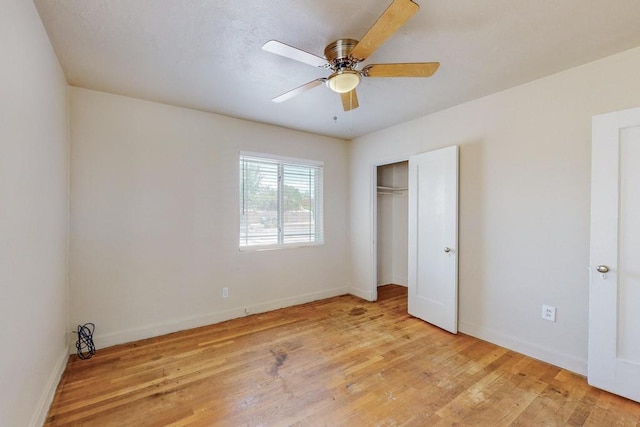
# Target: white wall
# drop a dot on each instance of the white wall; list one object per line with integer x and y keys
{"x": 392, "y": 225}
{"x": 33, "y": 216}
{"x": 155, "y": 219}
{"x": 524, "y": 202}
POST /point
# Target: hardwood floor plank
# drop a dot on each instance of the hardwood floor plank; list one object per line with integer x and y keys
{"x": 339, "y": 361}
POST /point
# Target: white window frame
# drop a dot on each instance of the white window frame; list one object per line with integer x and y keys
{"x": 319, "y": 216}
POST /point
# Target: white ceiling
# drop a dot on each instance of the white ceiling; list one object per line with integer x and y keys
{"x": 206, "y": 54}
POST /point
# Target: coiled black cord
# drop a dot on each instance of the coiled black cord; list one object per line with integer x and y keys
{"x": 85, "y": 345}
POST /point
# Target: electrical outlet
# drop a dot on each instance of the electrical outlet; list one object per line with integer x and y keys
{"x": 548, "y": 313}
{"x": 225, "y": 292}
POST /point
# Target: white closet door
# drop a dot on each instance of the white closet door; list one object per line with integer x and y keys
{"x": 433, "y": 237}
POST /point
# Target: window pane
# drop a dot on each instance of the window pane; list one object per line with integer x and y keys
{"x": 299, "y": 204}
{"x": 259, "y": 204}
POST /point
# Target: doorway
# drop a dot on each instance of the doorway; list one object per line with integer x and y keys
{"x": 415, "y": 233}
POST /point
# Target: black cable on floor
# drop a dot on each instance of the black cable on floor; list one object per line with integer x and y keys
{"x": 85, "y": 345}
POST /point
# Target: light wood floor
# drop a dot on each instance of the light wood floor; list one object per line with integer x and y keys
{"x": 339, "y": 361}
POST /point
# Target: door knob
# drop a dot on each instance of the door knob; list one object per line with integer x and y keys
{"x": 602, "y": 269}
{"x": 447, "y": 250}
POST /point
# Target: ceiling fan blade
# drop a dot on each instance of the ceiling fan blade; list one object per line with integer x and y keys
{"x": 394, "y": 17}
{"x": 294, "y": 53}
{"x": 349, "y": 100}
{"x": 416, "y": 69}
{"x": 297, "y": 91}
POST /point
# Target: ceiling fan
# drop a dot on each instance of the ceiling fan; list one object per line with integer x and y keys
{"x": 343, "y": 57}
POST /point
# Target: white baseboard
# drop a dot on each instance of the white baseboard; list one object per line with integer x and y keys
{"x": 366, "y": 294}
{"x": 40, "y": 415}
{"x": 536, "y": 351}
{"x": 154, "y": 330}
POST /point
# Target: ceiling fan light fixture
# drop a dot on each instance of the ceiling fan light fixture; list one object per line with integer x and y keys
{"x": 343, "y": 81}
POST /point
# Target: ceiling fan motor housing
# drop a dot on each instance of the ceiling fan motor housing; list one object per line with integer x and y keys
{"x": 338, "y": 54}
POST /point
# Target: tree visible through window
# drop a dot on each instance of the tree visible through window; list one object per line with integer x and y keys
{"x": 280, "y": 201}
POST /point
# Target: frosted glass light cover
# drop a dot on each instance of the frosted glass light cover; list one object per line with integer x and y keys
{"x": 344, "y": 81}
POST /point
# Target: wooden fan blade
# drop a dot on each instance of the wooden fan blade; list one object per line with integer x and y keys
{"x": 294, "y": 53}
{"x": 297, "y": 91}
{"x": 349, "y": 100}
{"x": 416, "y": 69}
{"x": 396, "y": 15}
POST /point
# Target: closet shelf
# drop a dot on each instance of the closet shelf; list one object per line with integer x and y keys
{"x": 391, "y": 190}
{"x": 380, "y": 187}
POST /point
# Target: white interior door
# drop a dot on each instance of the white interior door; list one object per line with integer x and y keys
{"x": 614, "y": 291}
{"x": 433, "y": 237}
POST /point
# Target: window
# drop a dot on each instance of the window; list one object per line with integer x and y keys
{"x": 280, "y": 201}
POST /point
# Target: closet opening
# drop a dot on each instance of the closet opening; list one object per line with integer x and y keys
{"x": 392, "y": 225}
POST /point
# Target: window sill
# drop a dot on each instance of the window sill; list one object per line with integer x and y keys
{"x": 259, "y": 248}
